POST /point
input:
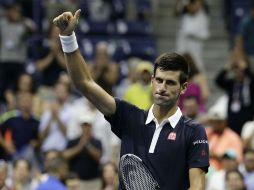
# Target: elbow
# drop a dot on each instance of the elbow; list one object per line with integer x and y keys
{"x": 81, "y": 85}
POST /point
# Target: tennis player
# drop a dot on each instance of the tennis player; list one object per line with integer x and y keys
{"x": 173, "y": 147}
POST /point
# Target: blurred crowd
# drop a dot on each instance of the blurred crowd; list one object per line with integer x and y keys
{"x": 53, "y": 138}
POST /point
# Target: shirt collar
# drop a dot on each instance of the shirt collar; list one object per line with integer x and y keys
{"x": 173, "y": 120}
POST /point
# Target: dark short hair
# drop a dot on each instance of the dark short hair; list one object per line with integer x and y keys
{"x": 173, "y": 62}
{"x": 54, "y": 165}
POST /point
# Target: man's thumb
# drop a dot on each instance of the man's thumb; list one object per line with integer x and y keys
{"x": 77, "y": 14}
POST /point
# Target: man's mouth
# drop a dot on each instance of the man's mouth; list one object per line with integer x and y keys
{"x": 161, "y": 95}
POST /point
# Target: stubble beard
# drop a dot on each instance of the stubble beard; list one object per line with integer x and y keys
{"x": 169, "y": 104}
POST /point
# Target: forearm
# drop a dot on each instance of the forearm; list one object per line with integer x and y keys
{"x": 61, "y": 60}
{"x": 9, "y": 148}
{"x": 79, "y": 72}
{"x": 94, "y": 152}
{"x": 76, "y": 66}
{"x": 43, "y": 63}
{"x": 197, "y": 179}
{"x": 200, "y": 185}
{"x": 71, "y": 152}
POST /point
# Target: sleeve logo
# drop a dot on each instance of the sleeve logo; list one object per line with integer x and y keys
{"x": 200, "y": 142}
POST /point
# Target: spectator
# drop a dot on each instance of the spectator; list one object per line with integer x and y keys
{"x": 14, "y": 30}
{"x": 193, "y": 31}
{"x": 220, "y": 137}
{"x": 99, "y": 10}
{"x": 53, "y": 125}
{"x": 104, "y": 71}
{"x": 49, "y": 155}
{"x": 51, "y": 63}
{"x": 21, "y": 131}
{"x": 247, "y": 168}
{"x": 128, "y": 75}
{"x": 72, "y": 182}
{"x": 65, "y": 79}
{"x": 197, "y": 86}
{"x": 41, "y": 175}
{"x": 4, "y": 185}
{"x": 234, "y": 180}
{"x": 25, "y": 84}
{"x": 140, "y": 92}
{"x": 217, "y": 179}
{"x": 240, "y": 90}
{"x": 109, "y": 176}
{"x": 245, "y": 39}
{"x": 56, "y": 168}
{"x": 190, "y": 107}
{"x": 84, "y": 154}
{"x": 247, "y": 135}
{"x": 101, "y": 129}
{"x": 21, "y": 175}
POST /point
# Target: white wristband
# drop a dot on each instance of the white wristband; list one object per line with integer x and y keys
{"x": 69, "y": 43}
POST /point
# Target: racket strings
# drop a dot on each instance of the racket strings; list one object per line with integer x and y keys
{"x": 136, "y": 175}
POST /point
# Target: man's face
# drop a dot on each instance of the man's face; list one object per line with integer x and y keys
{"x": 249, "y": 161}
{"x": 61, "y": 92}
{"x": 190, "y": 107}
{"x": 166, "y": 87}
{"x": 21, "y": 171}
{"x": 25, "y": 102}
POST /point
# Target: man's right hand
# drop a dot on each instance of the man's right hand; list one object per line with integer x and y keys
{"x": 67, "y": 22}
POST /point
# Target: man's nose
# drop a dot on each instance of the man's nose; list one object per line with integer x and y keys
{"x": 162, "y": 86}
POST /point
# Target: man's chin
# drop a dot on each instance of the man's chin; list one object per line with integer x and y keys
{"x": 163, "y": 103}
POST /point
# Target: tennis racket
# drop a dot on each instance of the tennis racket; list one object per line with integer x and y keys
{"x": 135, "y": 175}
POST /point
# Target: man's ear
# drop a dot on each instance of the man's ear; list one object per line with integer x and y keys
{"x": 184, "y": 87}
{"x": 152, "y": 79}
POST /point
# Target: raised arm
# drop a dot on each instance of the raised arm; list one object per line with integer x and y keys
{"x": 77, "y": 67}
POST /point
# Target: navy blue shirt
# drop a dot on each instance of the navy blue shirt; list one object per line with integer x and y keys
{"x": 83, "y": 164}
{"x": 177, "y": 150}
{"x": 22, "y": 130}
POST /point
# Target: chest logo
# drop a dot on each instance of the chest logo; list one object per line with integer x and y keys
{"x": 172, "y": 136}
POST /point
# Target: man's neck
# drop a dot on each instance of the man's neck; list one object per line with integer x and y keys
{"x": 163, "y": 112}
{"x": 26, "y": 114}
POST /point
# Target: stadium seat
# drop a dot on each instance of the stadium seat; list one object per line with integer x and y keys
{"x": 138, "y": 28}
{"x": 239, "y": 9}
{"x": 143, "y": 5}
{"x": 120, "y": 48}
{"x": 93, "y": 28}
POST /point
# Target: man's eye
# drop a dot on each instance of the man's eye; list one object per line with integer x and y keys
{"x": 159, "y": 80}
{"x": 170, "y": 83}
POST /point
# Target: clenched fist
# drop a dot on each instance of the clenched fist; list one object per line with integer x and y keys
{"x": 67, "y": 22}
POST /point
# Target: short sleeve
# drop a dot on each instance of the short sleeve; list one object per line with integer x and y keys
{"x": 198, "y": 153}
{"x": 120, "y": 120}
